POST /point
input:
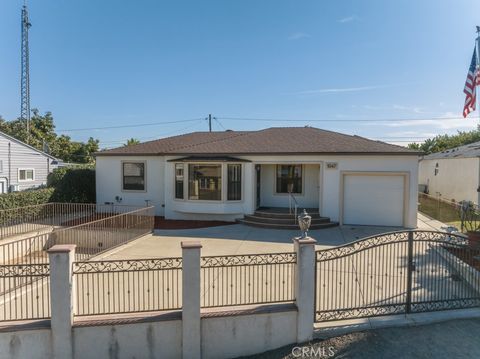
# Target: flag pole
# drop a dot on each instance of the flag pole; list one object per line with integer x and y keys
{"x": 477, "y": 51}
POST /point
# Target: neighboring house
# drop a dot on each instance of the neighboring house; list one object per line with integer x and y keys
{"x": 452, "y": 174}
{"x": 22, "y": 166}
{"x": 226, "y": 175}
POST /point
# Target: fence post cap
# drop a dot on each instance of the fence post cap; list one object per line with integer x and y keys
{"x": 191, "y": 244}
{"x": 62, "y": 248}
{"x": 304, "y": 241}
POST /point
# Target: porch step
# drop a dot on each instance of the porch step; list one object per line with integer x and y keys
{"x": 276, "y": 212}
{"x": 283, "y": 220}
{"x": 280, "y": 218}
{"x": 285, "y": 226}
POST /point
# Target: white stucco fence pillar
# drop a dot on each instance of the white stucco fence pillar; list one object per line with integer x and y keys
{"x": 305, "y": 287}
{"x": 191, "y": 327}
{"x": 61, "y": 259}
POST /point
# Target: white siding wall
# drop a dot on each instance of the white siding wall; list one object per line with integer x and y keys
{"x": 22, "y": 157}
{"x": 457, "y": 178}
{"x": 309, "y": 198}
{"x": 109, "y": 182}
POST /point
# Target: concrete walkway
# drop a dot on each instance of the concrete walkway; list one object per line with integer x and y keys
{"x": 452, "y": 339}
{"x": 241, "y": 239}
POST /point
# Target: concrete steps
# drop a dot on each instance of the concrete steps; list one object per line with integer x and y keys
{"x": 280, "y": 218}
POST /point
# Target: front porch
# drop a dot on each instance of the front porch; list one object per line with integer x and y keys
{"x": 288, "y": 184}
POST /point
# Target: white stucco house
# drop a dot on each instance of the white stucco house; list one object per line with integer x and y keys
{"x": 452, "y": 174}
{"x": 227, "y": 175}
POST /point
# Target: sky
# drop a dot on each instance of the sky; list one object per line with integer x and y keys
{"x": 164, "y": 66}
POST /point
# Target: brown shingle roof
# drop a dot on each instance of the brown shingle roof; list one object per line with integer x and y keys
{"x": 275, "y": 140}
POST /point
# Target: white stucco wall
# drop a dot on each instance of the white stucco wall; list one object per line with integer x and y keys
{"x": 330, "y": 179}
{"x": 109, "y": 182}
{"x": 310, "y": 196}
{"x": 31, "y": 344}
{"x": 222, "y": 337}
{"x": 235, "y": 336}
{"x": 142, "y": 340}
{"x": 457, "y": 178}
{"x": 160, "y": 185}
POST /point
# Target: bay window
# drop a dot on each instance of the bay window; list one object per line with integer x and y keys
{"x": 179, "y": 181}
{"x": 205, "y": 182}
{"x": 234, "y": 182}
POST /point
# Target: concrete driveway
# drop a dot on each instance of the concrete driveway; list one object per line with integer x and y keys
{"x": 241, "y": 239}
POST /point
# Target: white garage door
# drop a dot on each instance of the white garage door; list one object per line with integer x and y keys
{"x": 373, "y": 200}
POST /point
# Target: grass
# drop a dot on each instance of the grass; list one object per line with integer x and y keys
{"x": 442, "y": 211}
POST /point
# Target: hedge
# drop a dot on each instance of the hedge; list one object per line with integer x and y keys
{"x": 66, "y": 184}
{"x": 26, "y": 198}
{"x": 73, "y": 184}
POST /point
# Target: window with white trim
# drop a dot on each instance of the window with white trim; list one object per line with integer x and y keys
{"x": 26, "y": 174}
{"x": 289, "y": 179}
{"x": 133, "y": 176}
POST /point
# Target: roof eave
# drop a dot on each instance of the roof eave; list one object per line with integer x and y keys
{"x": 106, "y": 154}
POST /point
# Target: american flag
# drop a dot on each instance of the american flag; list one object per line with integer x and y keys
{"x": 473, "y": 80}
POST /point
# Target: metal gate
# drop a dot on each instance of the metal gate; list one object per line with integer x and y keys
{"x": 394, "y": 273}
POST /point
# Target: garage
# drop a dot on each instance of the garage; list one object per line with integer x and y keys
{"x": 374, "y": 199}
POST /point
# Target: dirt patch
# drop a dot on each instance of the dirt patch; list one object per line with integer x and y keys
{"x": 162, "y": 223}
{"x": 469, "y": 256}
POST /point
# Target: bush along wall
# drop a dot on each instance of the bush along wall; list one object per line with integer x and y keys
{"x": 73, "y": 184}
{"x": 26, "y": 198}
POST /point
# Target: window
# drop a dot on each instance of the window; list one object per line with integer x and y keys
{"x": 179, "y": 180}
{"x": 26, "y": 174}
{"x": 289, "y": 178}
{"x": 134, "y": 176}
{"x": 1, "y": 166}
{"x": 205, "y": 182}
{"x": 234, "y": 183}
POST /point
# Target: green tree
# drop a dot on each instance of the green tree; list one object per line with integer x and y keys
{"x": 132, "y": 141}
{"x": 444, "y": 142}
{"x": 43, "y": 137}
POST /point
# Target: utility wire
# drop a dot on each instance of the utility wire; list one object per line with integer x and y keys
{"x": 127, "y": 126}
{"x": 342, "y": 120}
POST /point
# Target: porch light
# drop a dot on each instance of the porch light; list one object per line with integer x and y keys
{"x": 304, "y": 222}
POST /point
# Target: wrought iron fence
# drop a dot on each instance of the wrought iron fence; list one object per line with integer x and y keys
{"x": 247, "y": 279}
{"x": 48, "y": 216}
{"x": 92, "y": 238}
{"x": 96, "y": 237}
{"x": 24, "y": 292}
{"x": 127, "y": 286}
{"x": 398, "y": 272}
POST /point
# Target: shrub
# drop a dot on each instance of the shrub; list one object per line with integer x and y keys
{"x": 25, "y": 198}
{"x": 73, "y": 184}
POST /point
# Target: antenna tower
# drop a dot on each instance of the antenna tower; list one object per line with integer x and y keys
{"x": 25, "y": 73}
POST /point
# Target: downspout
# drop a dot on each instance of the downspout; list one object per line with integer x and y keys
{"x": 9, "y": 166}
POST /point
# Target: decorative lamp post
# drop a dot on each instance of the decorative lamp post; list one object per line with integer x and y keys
{"x": 304, "y": 222}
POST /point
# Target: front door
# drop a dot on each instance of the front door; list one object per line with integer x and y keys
{"x": 257, "y": 171}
